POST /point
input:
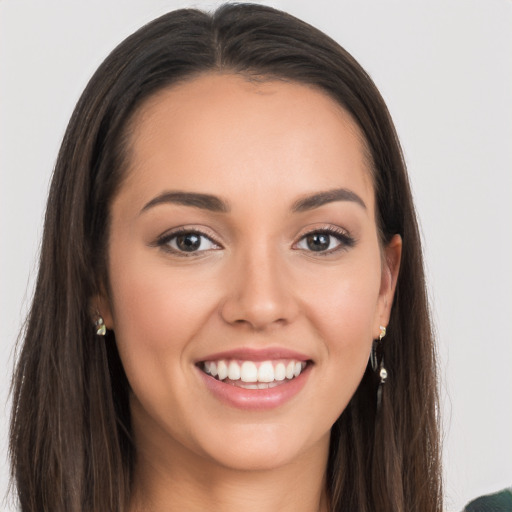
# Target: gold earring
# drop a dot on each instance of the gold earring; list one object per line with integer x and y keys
{"x": 101, "y": 328}
{"x": 383, "y": 373}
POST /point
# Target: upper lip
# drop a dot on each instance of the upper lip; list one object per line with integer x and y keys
{"x": 257, "y": 354}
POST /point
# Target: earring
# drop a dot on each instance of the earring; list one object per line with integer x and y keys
{"x": 377, "y": 362}
{"x": 101, "y": 328}
{"x": 383, "y": 373}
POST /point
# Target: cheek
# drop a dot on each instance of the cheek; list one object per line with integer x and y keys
{"x": 156, "y": 313}
{"x": 345, "y": 302}
{"x": 343, "y": 307}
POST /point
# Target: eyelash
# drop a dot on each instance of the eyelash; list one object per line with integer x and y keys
{"x": 344, "y": 239}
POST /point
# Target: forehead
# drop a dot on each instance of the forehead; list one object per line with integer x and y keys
{"x": 223, "y": 132}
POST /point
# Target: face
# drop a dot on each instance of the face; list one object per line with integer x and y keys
{"x": 247, "y": 280}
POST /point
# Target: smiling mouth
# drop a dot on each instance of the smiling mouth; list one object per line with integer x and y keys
{"x": 254, "y": 374}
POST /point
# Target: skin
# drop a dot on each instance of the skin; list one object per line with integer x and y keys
{"x": 260, "y": 147}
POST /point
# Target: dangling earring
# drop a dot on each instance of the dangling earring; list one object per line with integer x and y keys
{"x": 377, "y": 362}
{"x": 101, "y": 328}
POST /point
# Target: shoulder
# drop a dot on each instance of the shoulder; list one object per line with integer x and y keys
{"x": 498, "y": 502}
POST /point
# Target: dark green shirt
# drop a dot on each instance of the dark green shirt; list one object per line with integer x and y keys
{"x": 499, "y": 502}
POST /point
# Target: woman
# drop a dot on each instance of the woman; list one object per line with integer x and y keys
{"x": 232, "y": 259}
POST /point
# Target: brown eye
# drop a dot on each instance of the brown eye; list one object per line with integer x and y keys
{"x": 318, "y": 241}
{"x": 189, "y": 242}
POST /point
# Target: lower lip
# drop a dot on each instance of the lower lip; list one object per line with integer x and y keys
{"x": 255, "y": 399}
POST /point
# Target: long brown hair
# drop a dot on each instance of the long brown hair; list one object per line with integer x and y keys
{"x": 70, "y": 439}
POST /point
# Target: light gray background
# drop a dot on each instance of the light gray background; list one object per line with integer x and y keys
{"x": 445, "y": 69}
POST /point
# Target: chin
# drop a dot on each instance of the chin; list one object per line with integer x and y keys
{"x": 265, "y": 448}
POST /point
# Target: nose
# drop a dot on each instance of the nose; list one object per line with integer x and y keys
{"x": 260, "y": 292}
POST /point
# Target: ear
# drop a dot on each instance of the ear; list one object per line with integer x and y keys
{"x": 392, "y": 254}
{"x": 100, "y": 305}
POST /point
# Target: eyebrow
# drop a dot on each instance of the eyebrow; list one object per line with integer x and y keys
{"x": 194, "y": 199}
{"x": 329, "y": 196}
{"x": 216, "y": 204}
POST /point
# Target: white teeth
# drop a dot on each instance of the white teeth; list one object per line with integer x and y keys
{"x": 256, "y": 385}
{"x": 267, "y": 385}
{"x": 248, "y": 372}
{"x": 249, "y": 386}
{"x": 266, "y": 372}
{"x": 254, "y": 375}
{"x": 233, "y": 371}
{"x": 280, "y": 372}
{"x": 222, "y": 370}
{"x": 289, "y": 370}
